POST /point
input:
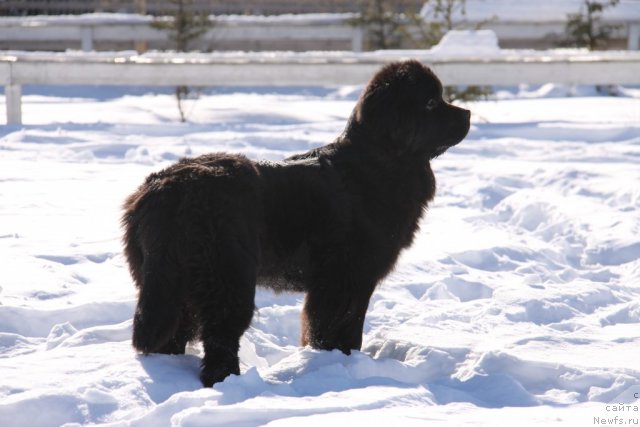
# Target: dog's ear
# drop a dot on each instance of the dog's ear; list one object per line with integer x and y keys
{"x": 373, "y": 103}
{"x": 378, "y": 93}
{"x": 378, "y": 114}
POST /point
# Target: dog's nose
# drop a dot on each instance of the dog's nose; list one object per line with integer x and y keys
{"x": 467, "y": 114}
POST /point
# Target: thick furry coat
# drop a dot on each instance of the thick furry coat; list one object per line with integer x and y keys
{"x": 202, "y": 233}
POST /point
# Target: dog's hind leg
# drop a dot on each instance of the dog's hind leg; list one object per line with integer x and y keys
{"x": 186, "y": 331}
{"x": 226, "y": 307}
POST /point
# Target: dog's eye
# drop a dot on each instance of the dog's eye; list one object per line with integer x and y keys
{"x": 431, "y": 104}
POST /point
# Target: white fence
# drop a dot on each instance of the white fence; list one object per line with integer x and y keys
{"x": 86, "y": 31}
{"x": 100, "y": 28}
{"x": 501, "y": 67}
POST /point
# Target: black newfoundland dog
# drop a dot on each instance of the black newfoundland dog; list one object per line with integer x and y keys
{"x": 202, "y": 233}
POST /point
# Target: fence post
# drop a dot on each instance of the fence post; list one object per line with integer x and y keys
{"x": 357, "y": 39}
{"x": 86, "y": 34}
{"x": 634, "y": 35}
{"x": 13, "y": 95}
{"x": 140, "y": 9}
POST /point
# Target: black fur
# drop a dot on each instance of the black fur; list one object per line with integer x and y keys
{"x": 202, "y": 233}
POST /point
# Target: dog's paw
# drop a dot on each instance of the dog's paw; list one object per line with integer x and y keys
{"x": 216, "y": 374}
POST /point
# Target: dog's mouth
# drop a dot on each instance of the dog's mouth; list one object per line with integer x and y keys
{"x": 441, "y": 149}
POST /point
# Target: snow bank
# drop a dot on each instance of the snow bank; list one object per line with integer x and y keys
{"x": 467, "y": 43}
{"x": 517, "y": 305}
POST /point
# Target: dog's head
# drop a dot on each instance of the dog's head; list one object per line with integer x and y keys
{"x": 402, "y": 111}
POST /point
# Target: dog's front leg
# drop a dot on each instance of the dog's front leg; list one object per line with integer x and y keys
{"x": 333, "y": 317}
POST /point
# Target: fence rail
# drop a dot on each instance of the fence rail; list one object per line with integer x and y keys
{"x": 87, "y": 31}
{"x": 160, "y": 7}
{"x": 309, "y": 69}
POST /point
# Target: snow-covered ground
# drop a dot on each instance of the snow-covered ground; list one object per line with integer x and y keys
{"x": 519, "y": 303}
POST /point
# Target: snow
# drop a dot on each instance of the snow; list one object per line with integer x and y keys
{"x": 97, "y": 18}
{"x": 132, "y": 18}
{"x": 467, "y": 43}
{"x": 518, "y": 304}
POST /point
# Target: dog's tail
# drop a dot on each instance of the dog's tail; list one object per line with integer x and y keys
{"x": 148, "y": 223}
{"x": 132, "y": 250}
